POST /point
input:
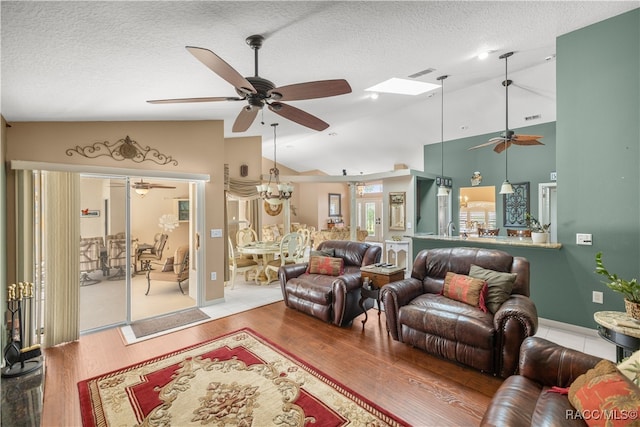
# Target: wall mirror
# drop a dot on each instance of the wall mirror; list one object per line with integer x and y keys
{"x": 396, "y": 211}
{"x": 477, "y": 208}
{"x": 334, "y": 205}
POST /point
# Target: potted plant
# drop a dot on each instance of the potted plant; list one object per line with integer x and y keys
{"x": 630, "y": 289}
{"x": 539, "y": 232}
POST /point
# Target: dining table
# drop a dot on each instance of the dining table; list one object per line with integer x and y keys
{"x": 262, "y": 253}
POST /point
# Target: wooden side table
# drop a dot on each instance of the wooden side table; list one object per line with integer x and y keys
{"x": 619, "y": 329}
{"x": 378, "y": 277}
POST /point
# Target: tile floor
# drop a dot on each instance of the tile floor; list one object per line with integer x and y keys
{"x": 576, "y": 337}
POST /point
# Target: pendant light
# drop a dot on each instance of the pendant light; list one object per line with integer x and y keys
{"x": 506, "y": 185}
{"x": 281, "y": 192}
{"x": 443, "y": 191}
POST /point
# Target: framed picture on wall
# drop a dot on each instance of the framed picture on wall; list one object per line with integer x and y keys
{"x": 516, "y": 205}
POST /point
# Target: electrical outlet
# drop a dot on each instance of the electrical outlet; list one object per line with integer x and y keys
{"x": 584, "y": 239}
{"x": 213, "y": 275}
{"x": 598, "y": 298}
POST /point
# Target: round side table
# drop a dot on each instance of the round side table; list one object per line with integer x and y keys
{"x": 619, "y": 329}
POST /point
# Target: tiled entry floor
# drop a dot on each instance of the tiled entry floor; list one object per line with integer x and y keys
{"x": 577, "y": 338}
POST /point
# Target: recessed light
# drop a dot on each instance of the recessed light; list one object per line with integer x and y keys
{"x": 375, "y": 95}
{"x": 550, "y": 57}
{"x": 485, "y": 54}
{"x": 403, "y": 87}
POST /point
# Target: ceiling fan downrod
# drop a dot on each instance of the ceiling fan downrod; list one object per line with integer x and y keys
{"x": 255, "y": 42}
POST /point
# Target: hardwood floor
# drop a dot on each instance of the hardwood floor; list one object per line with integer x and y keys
{"x": 420, "y": 389}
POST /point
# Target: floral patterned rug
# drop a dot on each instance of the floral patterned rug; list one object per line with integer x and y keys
{"x": 239, "y": 379}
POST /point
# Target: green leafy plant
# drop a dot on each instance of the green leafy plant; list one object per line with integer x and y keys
{"x": 630, "y": 289}
{"x": 535, "y": 225}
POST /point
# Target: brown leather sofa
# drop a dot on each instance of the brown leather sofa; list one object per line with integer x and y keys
{"x": 525, "y": 400}
{"x": 333, "y": 299}
{"x": 417, "y": 314}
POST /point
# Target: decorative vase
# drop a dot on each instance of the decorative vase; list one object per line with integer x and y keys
{"x": 538, "y": 237}
{"x": 632, "y": 309}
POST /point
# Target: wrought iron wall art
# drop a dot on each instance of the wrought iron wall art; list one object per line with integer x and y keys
{"x": 516, "y": 205}
{"x": 123, "y": 149}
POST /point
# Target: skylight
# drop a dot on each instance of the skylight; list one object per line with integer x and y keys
{"x": 403, "y": 87}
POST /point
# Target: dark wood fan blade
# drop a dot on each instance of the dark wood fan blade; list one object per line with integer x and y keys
{"x": 492, "y": 141}
{"x": 221, "y": 68}
{"x": 245, "y": 118}
{"x": 527, "y": 142}
{"x": 183, "y": 100}
{"x": 297, "y": 115}
{"x": 311, "y": 90}
{"x": 501, "y": 147}
{"x": 160, "y": 186}
{"x": 526, "y": 137}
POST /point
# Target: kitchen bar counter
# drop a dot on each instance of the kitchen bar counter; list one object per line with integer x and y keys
{"x": 492, "y": 240}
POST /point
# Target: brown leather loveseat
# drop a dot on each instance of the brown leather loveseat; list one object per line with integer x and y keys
{"x": 527, "y": 399}
{"x": 333, "y": 299}
{"x": 419, "y": 315}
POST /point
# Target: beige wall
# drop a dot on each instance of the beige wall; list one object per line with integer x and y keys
{"x": 198, "y": 146}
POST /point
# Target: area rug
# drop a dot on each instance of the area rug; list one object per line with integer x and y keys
{"x": 239, "y": 379}
{"x": 142, "y": 328}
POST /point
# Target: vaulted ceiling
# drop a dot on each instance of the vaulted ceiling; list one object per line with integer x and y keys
{"x": 78, "y": 61}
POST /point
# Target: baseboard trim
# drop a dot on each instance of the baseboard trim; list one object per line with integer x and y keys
{"x": 567, "y": 327}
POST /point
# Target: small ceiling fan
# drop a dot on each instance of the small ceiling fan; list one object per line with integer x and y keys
{"x": 508, "y": 137}
{"x": 258, "y": 92}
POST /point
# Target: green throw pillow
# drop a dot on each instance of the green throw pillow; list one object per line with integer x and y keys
{"x": 500, "y": 285}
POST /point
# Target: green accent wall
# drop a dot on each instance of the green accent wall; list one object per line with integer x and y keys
{"x": 595, "y": 148}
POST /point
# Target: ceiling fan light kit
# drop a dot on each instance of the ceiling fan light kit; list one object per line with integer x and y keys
{"x": 258, "y": 92}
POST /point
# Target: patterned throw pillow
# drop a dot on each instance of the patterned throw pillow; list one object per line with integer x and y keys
{"x": 465, "y": 289}
{"x": 605, "y": 397}
{"x": 499, "y": 285}
{"x": 326, "y": 265}
{"x": 630, "y": 367}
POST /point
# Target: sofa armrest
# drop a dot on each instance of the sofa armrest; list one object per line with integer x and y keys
{"x": 395, "y": 295}
{"x": 340, "y": 288}
{"x": 551, "y": 364}
{"x": 515, "y": 320}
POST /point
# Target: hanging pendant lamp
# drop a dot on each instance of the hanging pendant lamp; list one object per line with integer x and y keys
{"x": 506, "y": 187}
{"x": 281, "y": 192}
{"x": 443, "y": 191}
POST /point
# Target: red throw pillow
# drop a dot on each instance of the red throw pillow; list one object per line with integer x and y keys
{"x": 326, "y": 265}
{"x": 605, "y": 397}
{"x": 465, "y": 289}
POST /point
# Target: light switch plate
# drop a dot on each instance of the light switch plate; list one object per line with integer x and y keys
{"x": 216, "y": 232}
{"x": 214, "y": 276}
{"x": 584, "y": 239}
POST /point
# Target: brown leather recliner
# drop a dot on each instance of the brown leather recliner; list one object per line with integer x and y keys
{"x": 524, "y": 400}
{"x": 333, "y": 299}
{"x": 417, "y": 314}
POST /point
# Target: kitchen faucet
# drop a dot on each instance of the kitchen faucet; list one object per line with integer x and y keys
{"x": 451, "y": 227}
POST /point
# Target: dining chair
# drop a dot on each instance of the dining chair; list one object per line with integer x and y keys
{"x": 488, "y": 231}
{"x": 245, "y": 236}
{"x": 521, "y": 232}
{"x": 89, "y": 260}
{"x": 291, "y": 252}
{"x": 306, "y": 242}
{"x": 238, "y": 263}
{"x": 117, "y": 257}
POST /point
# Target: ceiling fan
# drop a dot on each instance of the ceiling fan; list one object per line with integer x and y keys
{"x": 142, "y": 187}
{"x": 258, "y": 92}
{"x": 508, "y": 137}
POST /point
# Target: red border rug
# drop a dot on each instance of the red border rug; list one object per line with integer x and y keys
{"x": 238, "y": 379}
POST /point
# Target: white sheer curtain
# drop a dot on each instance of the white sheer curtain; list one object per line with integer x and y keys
{"x": 61, "y": 261}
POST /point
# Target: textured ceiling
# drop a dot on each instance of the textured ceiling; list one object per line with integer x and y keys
{"x": 76, "y": 61}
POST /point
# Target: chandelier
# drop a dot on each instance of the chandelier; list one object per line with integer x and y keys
{"x": 281, "y": 192}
